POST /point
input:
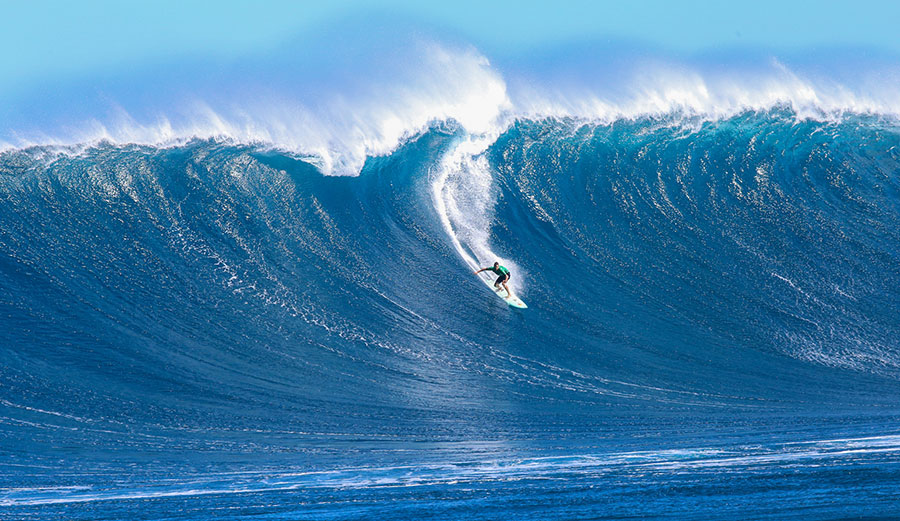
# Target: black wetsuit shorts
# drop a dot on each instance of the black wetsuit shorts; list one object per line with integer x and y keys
{"x": 502, "y": 278}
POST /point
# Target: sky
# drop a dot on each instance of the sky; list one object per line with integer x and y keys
{"x": 46, "y": 39}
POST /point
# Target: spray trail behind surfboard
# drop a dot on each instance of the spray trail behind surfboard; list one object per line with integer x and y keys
{"x": 464, "y": 194}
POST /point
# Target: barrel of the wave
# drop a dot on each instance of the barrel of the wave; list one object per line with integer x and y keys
{"x": 499, "y": 286}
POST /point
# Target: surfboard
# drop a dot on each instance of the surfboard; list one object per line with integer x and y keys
{"x": 512, "y": 299}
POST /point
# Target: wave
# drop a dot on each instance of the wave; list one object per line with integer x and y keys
{"x": 709, "y": 257}
{"x": 758, "y": 235}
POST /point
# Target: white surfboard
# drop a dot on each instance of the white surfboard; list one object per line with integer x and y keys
{"x": 512, "y": 299}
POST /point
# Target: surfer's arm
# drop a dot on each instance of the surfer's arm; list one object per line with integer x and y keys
{"x": 482, "y": 269}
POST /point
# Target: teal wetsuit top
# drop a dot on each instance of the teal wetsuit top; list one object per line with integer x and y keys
{"x": 500, "y": 270}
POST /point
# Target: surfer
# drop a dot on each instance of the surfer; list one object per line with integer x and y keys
{"x": 501, "y": 279}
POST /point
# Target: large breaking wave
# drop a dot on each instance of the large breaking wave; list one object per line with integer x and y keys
{"x": 704, "y": 259}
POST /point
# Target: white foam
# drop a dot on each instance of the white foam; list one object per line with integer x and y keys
{"x": 741, "y": 461}
{"x": 369, "y": 116}
{"x": 385, "y": 96}
{"x": 656, "y": 88}
{"x": 464, "y": 198}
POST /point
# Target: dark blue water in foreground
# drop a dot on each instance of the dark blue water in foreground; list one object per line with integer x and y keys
{"x": 217, "y": 331}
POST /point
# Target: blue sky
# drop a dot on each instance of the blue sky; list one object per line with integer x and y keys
{"x": 46, "y": 38}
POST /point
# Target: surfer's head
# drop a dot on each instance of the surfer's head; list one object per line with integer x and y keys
{"x": 496, "y": 264}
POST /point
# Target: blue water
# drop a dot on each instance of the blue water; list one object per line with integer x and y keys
{"x": 216, "y": 330}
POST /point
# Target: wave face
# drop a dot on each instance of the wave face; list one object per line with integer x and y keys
{"x": 220, "y": 328}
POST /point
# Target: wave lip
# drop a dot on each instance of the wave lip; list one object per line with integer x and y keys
{"x": 386, "y": 102}
{"x": 661, "y": 89}
{"x": 366, "y": 101}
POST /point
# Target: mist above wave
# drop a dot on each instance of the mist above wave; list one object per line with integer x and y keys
{"x": 363, "y": 88}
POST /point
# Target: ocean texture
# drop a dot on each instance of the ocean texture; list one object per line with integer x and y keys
{"x": 216, "y": 330}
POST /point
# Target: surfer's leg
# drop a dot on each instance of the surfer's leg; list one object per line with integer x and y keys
{"x": 508, "y": 294}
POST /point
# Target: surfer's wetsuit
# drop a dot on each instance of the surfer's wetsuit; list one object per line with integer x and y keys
{"x": 502, "y": 271}
{"x": 501, "y": 279}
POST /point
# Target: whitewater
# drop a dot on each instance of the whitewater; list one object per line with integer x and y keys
{"x": 247, "y": 293}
